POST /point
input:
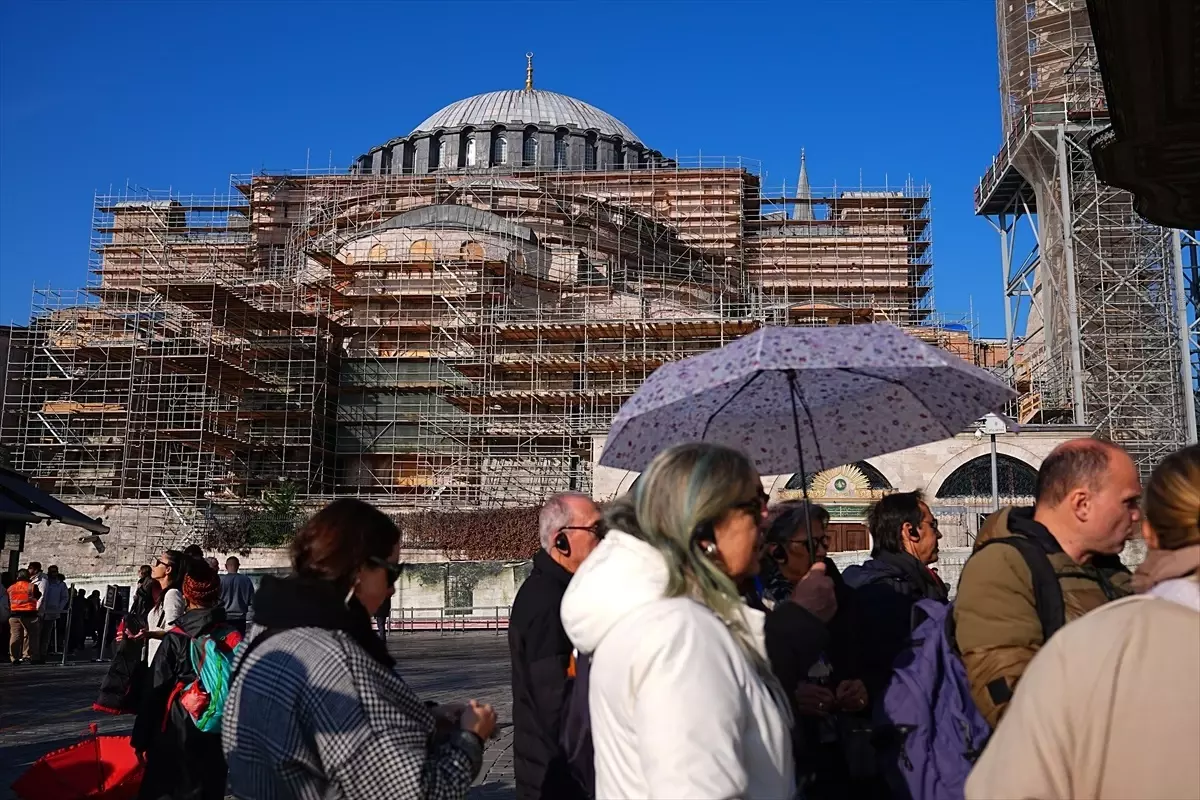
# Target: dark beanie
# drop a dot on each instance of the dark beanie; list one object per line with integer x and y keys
{"x": 202, "y": 586}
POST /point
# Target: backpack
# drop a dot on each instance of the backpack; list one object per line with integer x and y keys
{"x": 212, "y": 655}
{"x": 928, "y": 729}
{"x": 576, "y": 731}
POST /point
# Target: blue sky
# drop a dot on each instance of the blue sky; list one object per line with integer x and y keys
{"x": 179, "y": 95}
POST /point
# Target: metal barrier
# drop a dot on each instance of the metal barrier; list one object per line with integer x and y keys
{"x": 451, "y": 620}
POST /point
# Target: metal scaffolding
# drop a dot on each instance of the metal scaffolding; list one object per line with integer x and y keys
{"x": 443, "y": 341}
{"x": 1096, "y": 293}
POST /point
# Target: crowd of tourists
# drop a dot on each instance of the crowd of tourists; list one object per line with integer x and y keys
{"x": 690, "y": 640}
{"x": 35, "y": 607}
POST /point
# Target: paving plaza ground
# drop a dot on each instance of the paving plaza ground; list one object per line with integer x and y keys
{"x": 43, "y": 708}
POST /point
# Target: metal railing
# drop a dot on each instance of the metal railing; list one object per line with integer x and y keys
{"x": 451, "y": 619}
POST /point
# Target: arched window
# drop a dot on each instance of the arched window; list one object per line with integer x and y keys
{"x": 875, "y": 479}
{"x": 974, "y": 478}
{"x": 378, "y": 252}
{"x": 470, "y": 157}
{"x": 618, "y": 154}
{"x": 560, "y": 150}
{"x": 421, "y": 248}
{"x": 471, "y": 251}
{"x": 499, "y": 148}
{"x": 437, "y": 152}
{"x": 385, "y": 162}
{"x": 589, "y": 152}
{"x": 529, "y": 147}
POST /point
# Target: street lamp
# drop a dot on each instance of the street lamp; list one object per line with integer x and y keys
{"x": 993, "y": 425}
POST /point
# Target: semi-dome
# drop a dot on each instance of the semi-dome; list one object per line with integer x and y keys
{"x": 515, "y": 108}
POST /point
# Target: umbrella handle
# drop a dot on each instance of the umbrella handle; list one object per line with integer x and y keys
{"x": 808, "y": 538}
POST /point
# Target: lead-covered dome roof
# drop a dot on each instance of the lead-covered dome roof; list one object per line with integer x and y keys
{"x": 515, "y": 108}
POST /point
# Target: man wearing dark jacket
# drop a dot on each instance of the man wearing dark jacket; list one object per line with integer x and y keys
{"x": 904, "y": 536}
{"x": 569, "y": 529}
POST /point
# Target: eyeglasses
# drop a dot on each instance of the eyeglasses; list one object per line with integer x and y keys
{"x": 818, "y": 542}
{"x": 393, "y": 568}
{"x": 159, "y": 562}
{"x": 596, "y": 529}
{"x": 756, "y": 507}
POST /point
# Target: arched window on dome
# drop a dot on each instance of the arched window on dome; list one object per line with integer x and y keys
{"x": 618, "y": 154}
{"x": 560, "y": 149}
{"x": 378, "y": 252}
{"x": 590, "y": 148}
{"x": 499, "y": 147}
{"x": 470, "y": 151}
{"x": 529, "y": 147}
{"x": 437, "y": 152}
{"x": 421, "y": 249}
{"x": 1017, "y": 480}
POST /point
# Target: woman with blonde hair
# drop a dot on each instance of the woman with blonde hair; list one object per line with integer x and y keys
{"x": 1110, "y": 707}
{"x": 682, "y": 699}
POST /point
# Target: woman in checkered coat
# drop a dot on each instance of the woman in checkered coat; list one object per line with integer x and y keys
{"x": 316, "y": 709}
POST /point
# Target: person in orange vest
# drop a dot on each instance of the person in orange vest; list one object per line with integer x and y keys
{"x": 23, "y": 624}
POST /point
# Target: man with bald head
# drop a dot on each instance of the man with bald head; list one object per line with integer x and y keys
{"x": 1035, "y": 569}
{"x": 569, "y": 528}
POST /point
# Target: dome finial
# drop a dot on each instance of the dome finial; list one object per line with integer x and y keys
{"x": 529, "y": 72}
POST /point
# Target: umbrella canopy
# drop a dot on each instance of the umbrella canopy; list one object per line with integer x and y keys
{"x": 805, "y": 399}
{"x": 97, "y": 767}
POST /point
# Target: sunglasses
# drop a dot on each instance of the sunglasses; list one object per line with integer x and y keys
{"x": 393, "y": 569}
{"x": 757, "y": 507}
{"x": 596, "y": 529}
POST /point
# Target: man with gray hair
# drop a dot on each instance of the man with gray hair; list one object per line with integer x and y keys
{"x": 569, "y": 528}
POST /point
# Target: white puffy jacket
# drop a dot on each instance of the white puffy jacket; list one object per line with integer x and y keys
{"x": 677, "y": 709}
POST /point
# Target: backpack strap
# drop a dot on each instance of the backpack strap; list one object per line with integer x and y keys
{"x": 1047, "y": 591}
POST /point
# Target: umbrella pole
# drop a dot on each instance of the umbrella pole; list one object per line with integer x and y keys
{"x": 812, "y": 550}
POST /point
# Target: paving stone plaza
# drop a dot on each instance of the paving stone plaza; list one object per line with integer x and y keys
{"x": 44, "y": 708}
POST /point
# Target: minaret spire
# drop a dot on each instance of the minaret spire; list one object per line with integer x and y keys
{"x": 803, "y": 210}
{"x": 529, "y": 72}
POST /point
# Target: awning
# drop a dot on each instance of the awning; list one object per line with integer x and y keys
{"x": 20, "y": 500}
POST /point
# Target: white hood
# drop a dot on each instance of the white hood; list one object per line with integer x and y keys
{"x": 620, "y": 576}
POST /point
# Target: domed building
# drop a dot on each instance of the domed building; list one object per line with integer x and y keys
{"x": 512, "y": 129}
{"x": 451, "y": 323}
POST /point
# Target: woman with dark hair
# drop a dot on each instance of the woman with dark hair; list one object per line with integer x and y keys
{"x": 834, "y": 757}
{"x": 315, "y": 708}
{"x": 182, "y": 761}
{"x": 168, "y": 571}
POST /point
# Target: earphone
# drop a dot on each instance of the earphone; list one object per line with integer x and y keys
{"x": 562, "y": 544}
{"x": 704, "y": 537}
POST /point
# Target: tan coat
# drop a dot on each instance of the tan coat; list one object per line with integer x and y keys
{"x": 997, "y": 625}
{"x": 1110, "y": 708}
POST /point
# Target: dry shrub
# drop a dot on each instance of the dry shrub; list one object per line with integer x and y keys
{"x": 488, "y": 534}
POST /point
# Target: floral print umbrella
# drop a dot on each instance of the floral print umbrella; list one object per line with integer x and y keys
{"x": 805, "y": 399}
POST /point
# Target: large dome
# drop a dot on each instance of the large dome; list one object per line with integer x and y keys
{"x": 515, "y": 108}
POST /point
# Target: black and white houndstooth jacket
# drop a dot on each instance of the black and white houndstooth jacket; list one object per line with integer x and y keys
{"x": 312, "y": 715}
